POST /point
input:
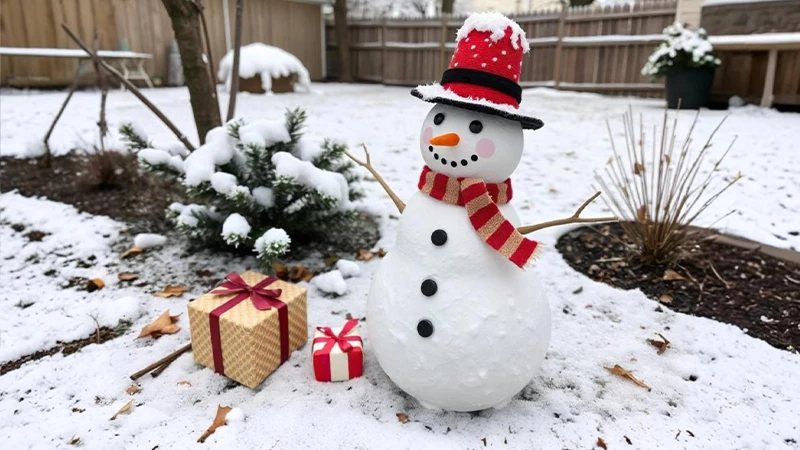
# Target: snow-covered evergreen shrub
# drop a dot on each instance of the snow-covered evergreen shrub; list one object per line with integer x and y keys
{"x": 256, "y": 185}
{"x": 682, "y": 48}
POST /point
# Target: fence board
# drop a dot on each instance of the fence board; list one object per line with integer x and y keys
{"x": 146, "y": 27}
{"x": 594, "y": 49}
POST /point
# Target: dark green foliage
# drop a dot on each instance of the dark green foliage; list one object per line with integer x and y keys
{"x": 302, "y": 211}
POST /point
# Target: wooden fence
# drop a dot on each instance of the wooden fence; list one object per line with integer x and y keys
{"x": 144, "y": 26}
{"x": 592, "y": 49}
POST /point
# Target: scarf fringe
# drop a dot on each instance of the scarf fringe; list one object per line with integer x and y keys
{"x": 534, "y": 258}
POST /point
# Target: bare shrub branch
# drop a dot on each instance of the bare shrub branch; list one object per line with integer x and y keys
{"x": 657, "y": 200}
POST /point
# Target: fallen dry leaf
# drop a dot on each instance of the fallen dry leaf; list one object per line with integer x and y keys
{"x": 601, "y": 443}
{"x": 628, "y": 440}
{"x": 671, "y": 275}
{"x": 75, "y": 441}
{"x": 298, "y": 273}
{"x": 219, "y": 421}
{"x": 578, "y": 291}
{"x": 164, "y": 324}
{"x": 131, "y": 252}
{"x": 330, "y": 260}
{"x": 638, "y": 168}
{"x": 348, "y": 316}
{"x": 132, "y": 389}
{"x": 665, "y": 299}
{"x": 95, "y": 284}
{"x": 172, "y": 290}
{"x": 661, "y": 346}
{"x": 184, "y": 383}
{"x": 366, "y": 255}
{"x": 280, "y": 270}
{"x": 484, "y": 441}
{"x": 619, "y": 370}
{"x": 125, "y": 408}
{"x": 78, "y": 410}
{"x": 402, "y": 417}
{"x": 127, "y": 276}
{"x": 689, "y": 432}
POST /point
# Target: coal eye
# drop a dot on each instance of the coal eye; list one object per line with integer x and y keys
{"x": 438, "y": 119}
{"x": 476, "y": 126}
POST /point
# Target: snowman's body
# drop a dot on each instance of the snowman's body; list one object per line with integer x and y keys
{"x": 491, "y": 321}
{"x": 453, "y": 322}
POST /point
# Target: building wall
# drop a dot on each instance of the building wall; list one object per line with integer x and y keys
{"x": 749, "y": 18}
{"x": 144, "y": 26}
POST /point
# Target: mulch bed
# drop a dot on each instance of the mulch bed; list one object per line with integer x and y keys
{"x": 743, "y": 287}
{"x": 109, "y": 185}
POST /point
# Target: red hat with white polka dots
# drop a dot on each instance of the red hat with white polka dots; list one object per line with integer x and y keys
{"x": 484, "y": 72}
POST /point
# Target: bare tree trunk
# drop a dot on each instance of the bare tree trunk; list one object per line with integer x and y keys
{"x": 447, "y": 6}
{"x": 342, "y": 40}
{"x": 186, "y": 25}
{"x": 237, "y": 46}
{"x": 209, "y": 53}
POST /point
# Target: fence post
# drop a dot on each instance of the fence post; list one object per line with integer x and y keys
{"x": 443, "y": 44}
{"x": 557, "y": 58}
{"x": 383, "y": 49}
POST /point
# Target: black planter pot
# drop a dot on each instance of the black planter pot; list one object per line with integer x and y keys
{"x": 691, "y": 86}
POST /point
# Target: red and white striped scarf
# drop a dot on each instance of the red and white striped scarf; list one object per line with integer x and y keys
{"x": 481, "y": 200}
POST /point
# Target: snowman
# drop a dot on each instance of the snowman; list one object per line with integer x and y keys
{"x": 454, "y": 318}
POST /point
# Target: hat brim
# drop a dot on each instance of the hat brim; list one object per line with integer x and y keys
{"x": 436, "y": 93}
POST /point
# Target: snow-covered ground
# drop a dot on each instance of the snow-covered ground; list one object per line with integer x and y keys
{"x": 716, "y": 386}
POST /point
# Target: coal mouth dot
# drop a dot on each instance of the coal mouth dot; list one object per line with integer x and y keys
{"x": 436, "y": 156}
{"x": 444, "y": 161}
{"x": 430, "y": 148}
{"x": 474, "y": 157}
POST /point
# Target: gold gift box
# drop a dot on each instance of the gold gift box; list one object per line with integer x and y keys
{"x": 249, "y": 338}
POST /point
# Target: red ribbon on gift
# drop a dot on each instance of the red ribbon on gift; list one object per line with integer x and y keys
{"x": 341, "y": 339}
{"x": 263, "y": 299}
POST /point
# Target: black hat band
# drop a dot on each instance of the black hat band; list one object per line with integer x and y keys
{"x": 485, "y": 79}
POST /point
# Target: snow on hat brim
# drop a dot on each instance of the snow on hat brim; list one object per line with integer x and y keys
{"x": 436, "y": 93}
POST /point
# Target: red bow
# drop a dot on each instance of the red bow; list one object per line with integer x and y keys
{"x": 262, "y": 299}
{"x": 341, "y": 339}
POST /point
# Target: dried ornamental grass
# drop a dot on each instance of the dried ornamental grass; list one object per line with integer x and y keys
{"x": 657, "y": 199}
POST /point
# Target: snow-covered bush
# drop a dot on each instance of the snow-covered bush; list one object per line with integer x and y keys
{"x": 682, "y": 48}
{"x": 266, "y": 61}
{"x": 256, "y": 186}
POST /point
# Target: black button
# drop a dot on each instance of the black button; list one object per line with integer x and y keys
{"x": 428, "y": 287}
{"x": 425, "y": 328}
{"x": 439, "y": 237}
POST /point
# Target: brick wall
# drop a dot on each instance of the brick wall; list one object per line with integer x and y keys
{"x": 748, "y": 18}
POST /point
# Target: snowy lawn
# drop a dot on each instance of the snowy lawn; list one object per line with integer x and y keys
{"x": 714, "y": 388}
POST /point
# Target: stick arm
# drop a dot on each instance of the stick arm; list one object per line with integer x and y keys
{"x": 575, "y": 218}
{"x": 368, "y": 165}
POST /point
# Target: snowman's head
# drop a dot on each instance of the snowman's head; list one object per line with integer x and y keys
{"x": 463, "y": 143}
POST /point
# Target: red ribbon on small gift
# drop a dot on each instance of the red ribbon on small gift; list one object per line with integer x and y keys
{"x": 263, "y": 299}
{"x": 322, "y": 366}
{"x": 341, "y": 339}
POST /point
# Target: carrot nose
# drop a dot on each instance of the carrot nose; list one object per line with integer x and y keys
{"x": 449, "y": 140}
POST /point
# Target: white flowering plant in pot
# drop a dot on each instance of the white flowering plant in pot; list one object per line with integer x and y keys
{"x": 682, "y": 48}
{"x": 687, "y": 60}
